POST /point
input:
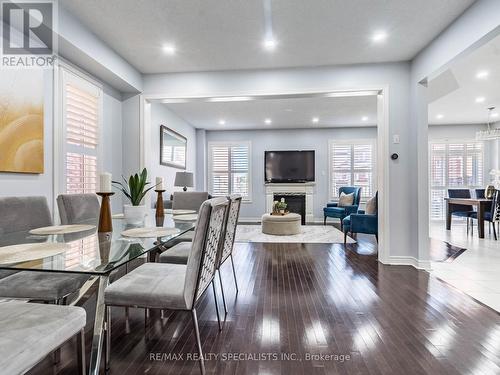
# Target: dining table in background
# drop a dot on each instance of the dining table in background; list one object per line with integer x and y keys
{"x": 481, "y": 204}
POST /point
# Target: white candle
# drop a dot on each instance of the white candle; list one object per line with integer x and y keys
{"x": 159, "y": 183}
{"x": 105, "y": 183}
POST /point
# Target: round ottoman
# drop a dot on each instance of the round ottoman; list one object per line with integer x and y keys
{"x": 281, "y": 225}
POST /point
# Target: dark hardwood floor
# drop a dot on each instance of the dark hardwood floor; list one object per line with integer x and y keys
{"x": 301, "y": 300}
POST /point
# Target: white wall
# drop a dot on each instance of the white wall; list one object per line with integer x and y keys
{"x": 131, "y": 135}
{"x": 161, "y": 115}
{"x": 112, "y": 139}
{"x": 201, "y": 159}
{"x": 289, "y": 139}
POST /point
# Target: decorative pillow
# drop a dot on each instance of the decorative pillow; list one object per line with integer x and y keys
{"x": 346, "y": 199}
{"x": 371, "y": 206}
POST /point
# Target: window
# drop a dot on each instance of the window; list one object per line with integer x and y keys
{"x": 453, "y": 165}
{"x": 229, "y": 169}
{"x": 352, "y": 163}
{"x": 81, "y": 116}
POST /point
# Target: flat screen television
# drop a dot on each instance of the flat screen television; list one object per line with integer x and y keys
{"x": 289, "y": 166}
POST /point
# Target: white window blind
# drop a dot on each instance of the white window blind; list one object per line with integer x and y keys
{"x": 453, "y": 165}
{"x": 352, "y": 164}
{"x": 229, "y": 172}
{"x": 81, "y": 110}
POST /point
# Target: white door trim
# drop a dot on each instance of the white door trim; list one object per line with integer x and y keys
{"x": 383, "y": 139}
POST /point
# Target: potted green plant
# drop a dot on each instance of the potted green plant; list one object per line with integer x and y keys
{"x": 135, "y": 190}
{"x": 281, "y": 205}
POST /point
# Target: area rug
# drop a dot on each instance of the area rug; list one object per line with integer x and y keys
{"x": 309, "y": 234}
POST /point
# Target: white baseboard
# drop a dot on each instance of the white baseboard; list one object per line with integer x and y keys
{"x": 409, "y": 261}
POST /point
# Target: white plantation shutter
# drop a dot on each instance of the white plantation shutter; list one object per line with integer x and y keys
{"x": 81, "y": 111}
{"x": 229, "y": 169}
{"x": 352, "y": 164}
{"x": 453, "y": 165}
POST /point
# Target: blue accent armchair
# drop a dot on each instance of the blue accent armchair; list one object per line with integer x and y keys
{"x": 361, "y": 222}
{"x": 334, "y": 211}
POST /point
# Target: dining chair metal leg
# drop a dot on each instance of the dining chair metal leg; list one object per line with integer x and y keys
{"x": 97, "y": 339}
{"x": 198, "y": 340}
{"x": 57, "y": 352}
{"x": 107, "y": 346}
{"x": 494, "y": 232}
{"x": 234, "y": 273}
{"x": 146, "y": 322}
{"x": 127, "y": 321}
{"x": 216, "y": 306}
{"x": 80, "y": 344}
{"x": 222, "y": 290}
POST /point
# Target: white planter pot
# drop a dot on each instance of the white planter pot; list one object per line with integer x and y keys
{"x": 134, "y": 215}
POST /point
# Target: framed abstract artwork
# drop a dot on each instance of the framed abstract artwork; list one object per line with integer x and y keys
{"x": 21, "y": 121}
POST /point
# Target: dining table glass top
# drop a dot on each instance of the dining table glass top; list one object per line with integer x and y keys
{"x": 88, "y": 251}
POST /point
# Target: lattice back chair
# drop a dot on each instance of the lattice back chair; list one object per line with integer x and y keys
{"x": 495, "y": 211}
{"x": 134, "y": 288}
{"x": 228, "y": 243}
{"x": 212, "y": 246}
{"x": 232, "y": 223}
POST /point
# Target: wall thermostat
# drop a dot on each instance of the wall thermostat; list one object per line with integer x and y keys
{"x": 394, "y": 156}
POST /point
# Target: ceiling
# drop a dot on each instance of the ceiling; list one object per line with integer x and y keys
{"x": 228, "y": 34}
{"x": 454, "y": 93}
{"x": 285, "y": 113}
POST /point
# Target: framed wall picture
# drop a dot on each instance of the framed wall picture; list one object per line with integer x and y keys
{"x": 172, "y": 148}
{"x": 21, "y": 121}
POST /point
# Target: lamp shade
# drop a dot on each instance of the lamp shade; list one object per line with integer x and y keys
{"x": 184, "y": 179}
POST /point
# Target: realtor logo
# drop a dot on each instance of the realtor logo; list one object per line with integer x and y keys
{"x": 27, "y": 28}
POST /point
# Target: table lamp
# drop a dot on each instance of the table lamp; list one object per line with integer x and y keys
{"x": 184, "y": 179}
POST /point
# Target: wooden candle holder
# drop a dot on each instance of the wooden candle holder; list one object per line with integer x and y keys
{"x": 159, "y": 204}
{"x": 105, "y": 221}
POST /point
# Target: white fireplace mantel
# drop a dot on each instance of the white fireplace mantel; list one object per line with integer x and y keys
{"x": 306, "y": 188}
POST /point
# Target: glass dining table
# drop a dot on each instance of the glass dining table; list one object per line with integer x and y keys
{"x": 91, "y": 253}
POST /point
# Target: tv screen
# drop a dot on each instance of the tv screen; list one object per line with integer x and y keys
{"x": 289, "y": 166}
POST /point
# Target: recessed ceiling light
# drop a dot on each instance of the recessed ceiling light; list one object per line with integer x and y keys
{"x": 494, "y": 114}
{"x": 482, "y": 74}
{"x": 169, "y": 49}
{"x": 440, "y": 116}
{"x": 230, "y": 99}
{"x": 480, "y": 99}
{"x": 222, "y": 122}
{"x": 379, "y": 37}
{"x": 270, "y": 44}
{"x": 346, "y": 94}
{"x": 315, "y": 120}
{"x": 268, "y": 121}
{"x": 364, "y": 118}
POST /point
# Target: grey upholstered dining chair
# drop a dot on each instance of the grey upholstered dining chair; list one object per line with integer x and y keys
{"x": 188, "y": 200}
{"x": 175, "y": 286}
{"x": 78, "y": 208}
{"x": 19, "y": 215}
{"x": 179, "y": 253}
{"x": 31, "y": 331}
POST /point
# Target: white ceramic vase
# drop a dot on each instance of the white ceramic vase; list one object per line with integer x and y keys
{"x": 134, "y": 215}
